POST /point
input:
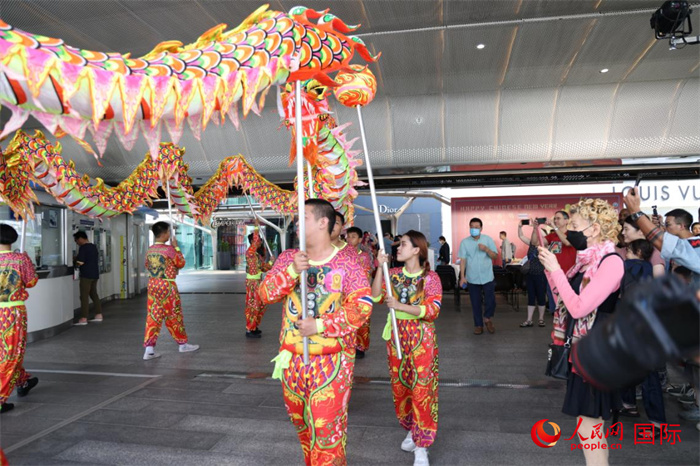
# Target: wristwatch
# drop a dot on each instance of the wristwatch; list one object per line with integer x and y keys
{"x": 635, "y": 216}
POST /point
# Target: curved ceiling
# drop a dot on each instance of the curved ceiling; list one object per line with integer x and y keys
{"x": 534, "y": 93}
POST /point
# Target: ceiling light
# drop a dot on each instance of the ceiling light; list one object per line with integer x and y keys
{"x": 604, "y": 70}
{"x": 480, "y": 46}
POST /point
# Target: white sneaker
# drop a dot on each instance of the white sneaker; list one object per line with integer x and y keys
{"x": 147, "y": 356}
{"x": 186, "y": 348}
{"x": 407, "y": 444}
{"x": 421, "y": 457}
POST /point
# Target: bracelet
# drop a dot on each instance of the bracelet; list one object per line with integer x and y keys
{"x": 654, "y": 234}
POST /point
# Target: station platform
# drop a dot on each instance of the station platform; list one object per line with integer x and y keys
{"x": 98, "y": 402}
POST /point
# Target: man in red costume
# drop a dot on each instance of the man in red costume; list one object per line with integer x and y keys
{"x": 163, "y": 262}
{"x": 354, "y": 237}
{"x": 255, "y": 266}
{"x": 338, "y": 303}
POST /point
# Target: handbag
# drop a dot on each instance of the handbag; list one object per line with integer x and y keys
{"x": 558, "y": 355}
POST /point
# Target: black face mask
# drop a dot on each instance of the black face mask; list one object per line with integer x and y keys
{"x": 577, "y": 239}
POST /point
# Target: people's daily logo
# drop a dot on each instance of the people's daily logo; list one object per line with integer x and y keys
{"x": 542, "y": 438}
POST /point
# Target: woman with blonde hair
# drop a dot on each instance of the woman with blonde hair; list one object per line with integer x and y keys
{"x": 588, "y": 294}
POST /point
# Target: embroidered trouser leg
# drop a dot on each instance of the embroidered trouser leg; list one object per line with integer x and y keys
{"x": 414, "y": 381}
{"x": 316, "y": 397}
{"x": 164, "y": 305}
{"x": 254, "y": 308}
{"x": 13, "y": 341}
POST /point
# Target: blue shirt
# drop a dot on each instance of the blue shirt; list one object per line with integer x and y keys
{"x": 682, "y": 252}
{"x": 479, "y": 270}
{"x": 387, "y": 245}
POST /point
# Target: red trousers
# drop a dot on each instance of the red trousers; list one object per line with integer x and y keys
{"x": 164, "y": 304}
{"x": 316, "y": 397}
{"x": 254, "y": 308}
{"x": 414, "y": 380}
{"x": 362, "y": 342}
{"x": 13, "y": 341}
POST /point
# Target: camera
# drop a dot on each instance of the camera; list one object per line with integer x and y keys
{"x": 541, "y": 220}
{"x": 525, "y": 222}
{"x": 655, "y": 322}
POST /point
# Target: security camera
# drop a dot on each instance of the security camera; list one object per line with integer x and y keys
{"x": 669, "y": 22}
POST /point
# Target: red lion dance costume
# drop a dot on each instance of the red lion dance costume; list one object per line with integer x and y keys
{"x": 317, "y": 395}
{"x": 414, "y": 379}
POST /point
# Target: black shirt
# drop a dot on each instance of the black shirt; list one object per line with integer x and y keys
{"x": 88, "y": 255}
{"x": 444, "y": 255}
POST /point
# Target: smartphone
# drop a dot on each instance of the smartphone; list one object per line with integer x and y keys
{"x": 525, "y": 222}
{"x": 656, "y": 212}
{"x": 541, "y": 220}
{"x": 638, "y": 180}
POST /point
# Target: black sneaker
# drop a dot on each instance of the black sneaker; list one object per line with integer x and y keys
{"x": 28, "y": 385}
{"x": 5, "y": 407}
{"x": 359, "y": 354}
{"x": 252, "y": 335}
{"x": 257, "y": 331}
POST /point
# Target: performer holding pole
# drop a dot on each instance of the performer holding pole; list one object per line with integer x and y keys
{"x": 255, "y": 266}
{"x": 317, "y": 393}
{"x": 416, "y": 294}
{"x": 356, "y": 90}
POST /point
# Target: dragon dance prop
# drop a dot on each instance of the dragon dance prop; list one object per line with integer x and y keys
{"x": 35, "y": 159}
{"x": 70, "y": 90}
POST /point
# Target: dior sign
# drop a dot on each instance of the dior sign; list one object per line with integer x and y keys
{"x": 222, "y": 222}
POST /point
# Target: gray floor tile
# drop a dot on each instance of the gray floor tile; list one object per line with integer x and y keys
{"x": 133, "y": 418}
{"x": 195, "y": 414}
{"x": 120, "y": 453}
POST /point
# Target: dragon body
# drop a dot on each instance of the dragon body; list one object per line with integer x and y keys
{"x": 71, "y": 91}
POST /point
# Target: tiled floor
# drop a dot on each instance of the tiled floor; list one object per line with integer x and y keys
{"x": 98, "y": 403}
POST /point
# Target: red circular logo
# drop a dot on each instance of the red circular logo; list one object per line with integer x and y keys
{"x": 542, "y": 438}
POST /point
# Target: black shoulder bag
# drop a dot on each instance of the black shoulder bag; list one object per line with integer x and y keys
{"x": 558, "y": 355}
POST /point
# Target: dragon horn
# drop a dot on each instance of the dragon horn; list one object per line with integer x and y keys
{"x": 337, "y": 23}
{"x": 307, "y": 13}
{"x": 363, "y": 51}
{"x": 325, "y": 80}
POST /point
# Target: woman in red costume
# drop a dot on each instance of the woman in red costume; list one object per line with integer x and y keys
{"x": 416, "y": 296}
